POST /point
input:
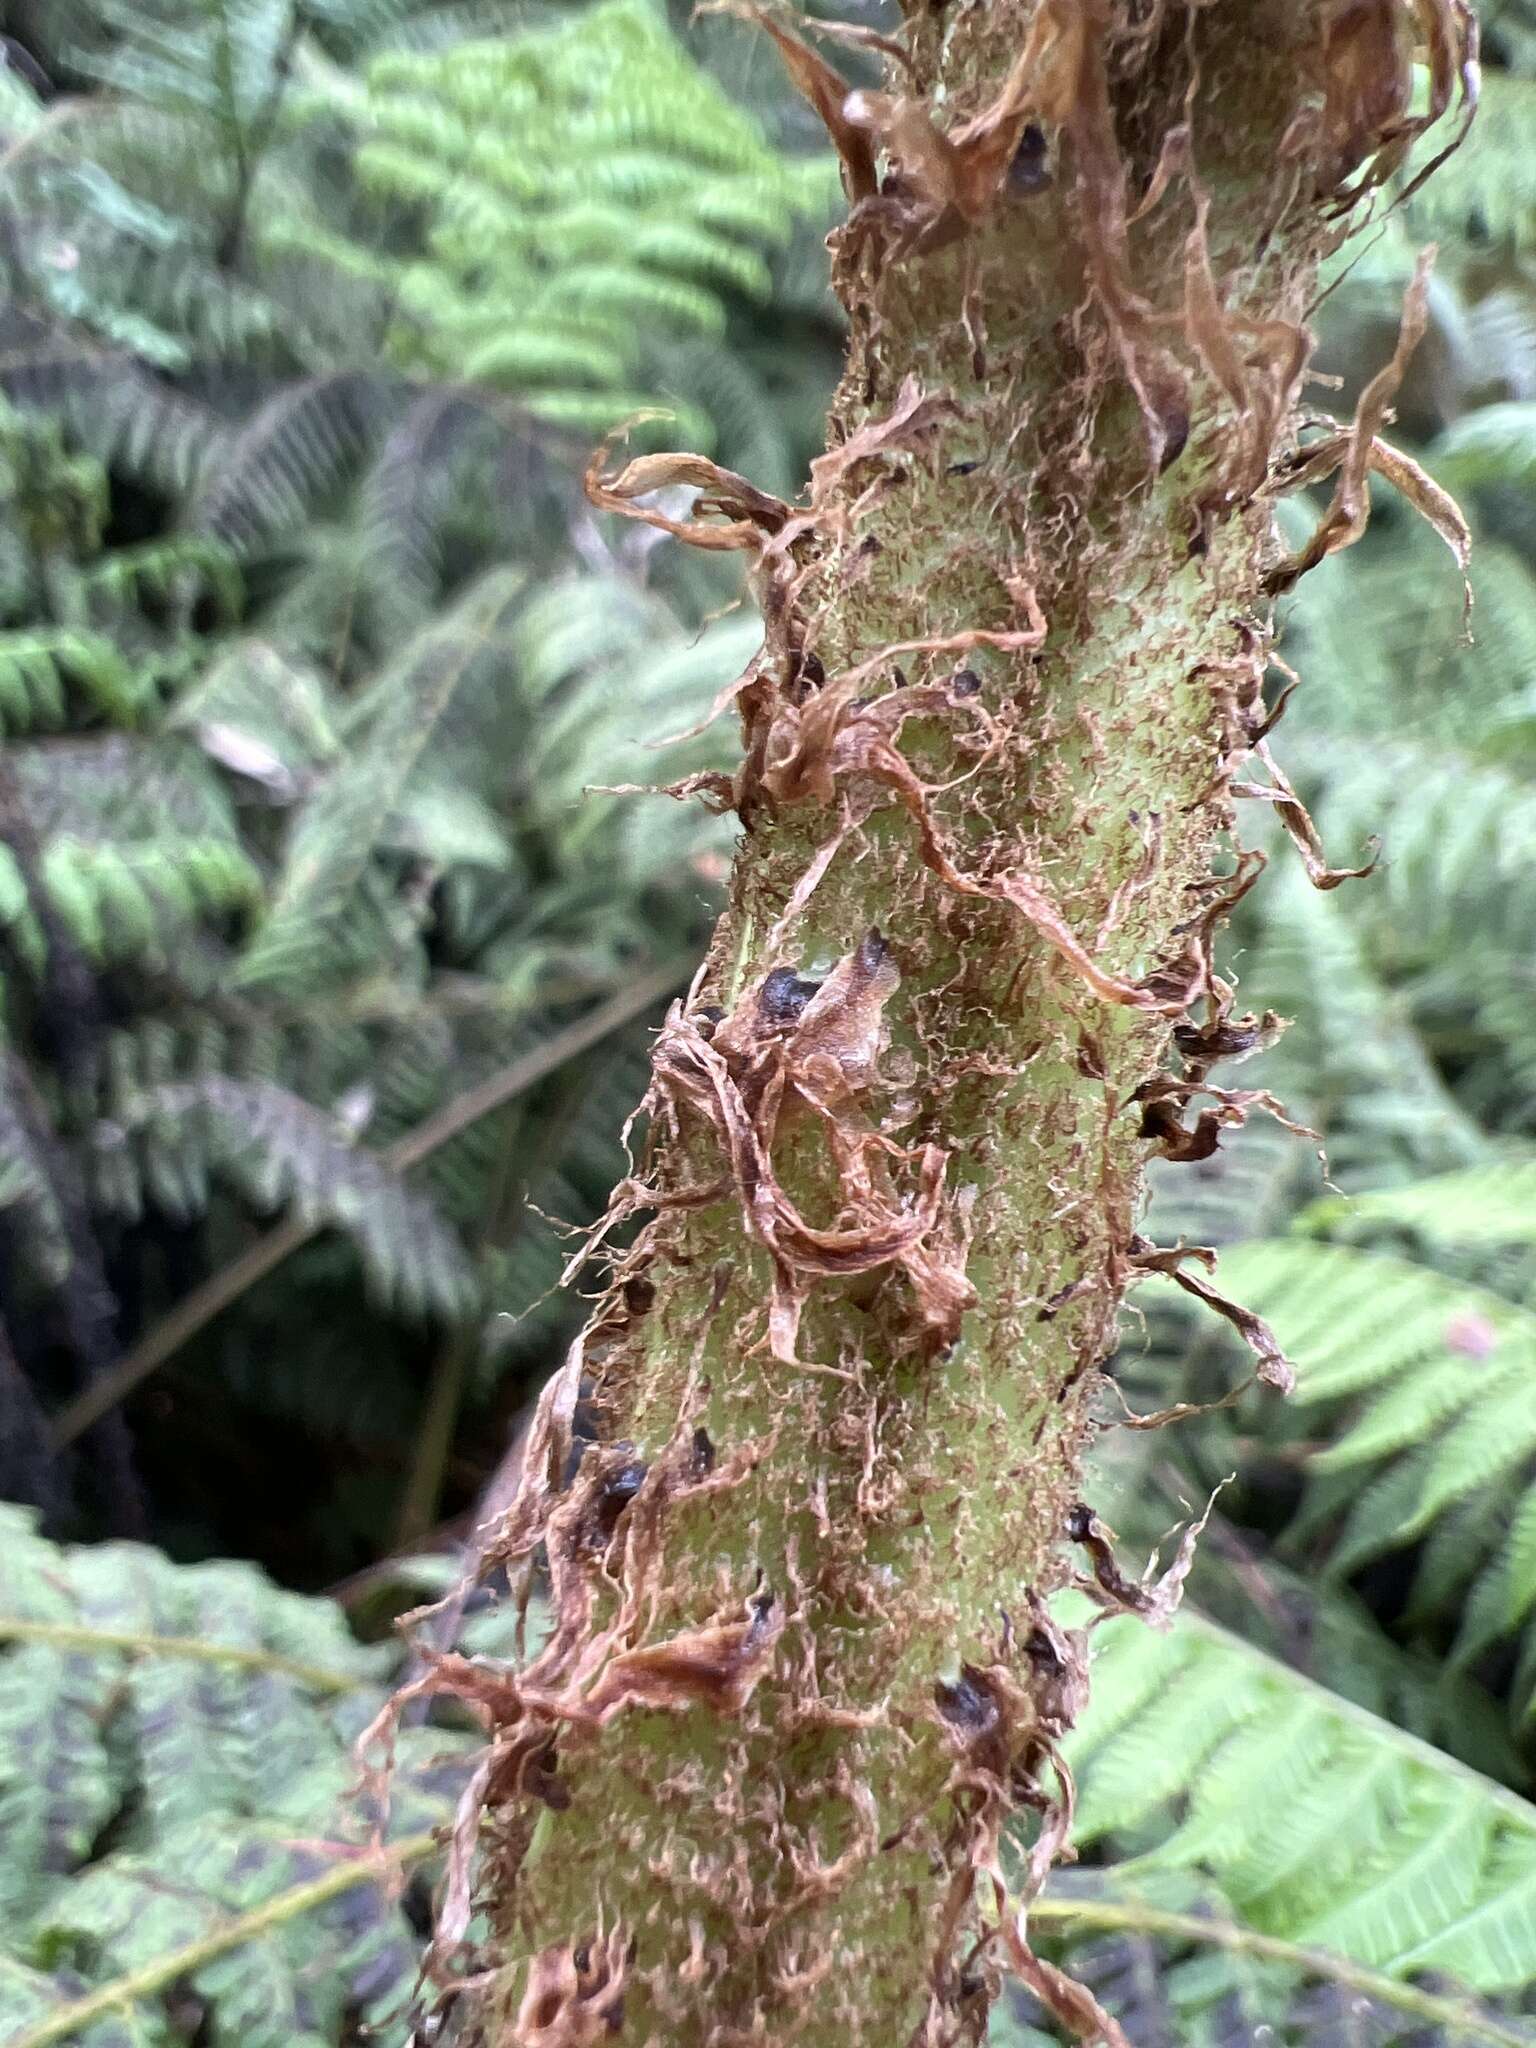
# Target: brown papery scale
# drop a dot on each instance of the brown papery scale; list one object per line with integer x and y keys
{"x": 885, "y": 1224}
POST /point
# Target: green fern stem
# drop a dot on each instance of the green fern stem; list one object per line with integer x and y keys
{"x": 137, "y": 1643}
{"x": 1461, "y": 2020}
{"x": 776, "y": 1803}
{"x": 131, "y": 1989}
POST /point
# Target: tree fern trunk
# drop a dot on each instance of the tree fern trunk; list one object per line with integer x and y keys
{"x": 800, "y": 1668}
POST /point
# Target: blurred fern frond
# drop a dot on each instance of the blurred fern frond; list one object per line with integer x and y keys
{"x": 1413, "y": 1401}
{"x": 147, "y": 1797}
{"x": 559, "y": 197}
{"x": 303, "y": 885}
{"x": 1267, "y": 1845}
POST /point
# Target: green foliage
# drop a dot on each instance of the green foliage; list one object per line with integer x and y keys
{"x": 547, "y": 210}
{"x": 554, "y": 198}
{"x": 1319, "y": 1823}
{"x": 1417, "y": 1382}
{"x": 329, "y": 891}
{"x": 1284, "y": 1866}
{"x": 297, "y": 816}
{"x": 308, "y": 655}
{"x": 176, "y": 1752}
{"x": 178, "y": 1793}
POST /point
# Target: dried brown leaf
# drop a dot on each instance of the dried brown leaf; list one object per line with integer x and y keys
{"x": 1430, "y": 500}
{"x": 1067, "y": 2001}
{"x": 1273, "y": 1367}
{"x": 1258, "y": 364}
{"x": 842, "y": 1028}
{"x": 1225, "y": 1037}
{"x": 716, "y": 1667}
{"x": 1026, "y": 894}
{"x": 912, "y": 423}
{"x": 856, "y": 37}
{"x": 456, "y": 1907}
{"x": 1368, "y": 83}
{"x": 750, "y": 516}
{"x": 1154, "y": 1600}
{"x": 717, "y": 789}
{"x": 1167, "y": 1096}
{"x": 789, "y": 1046}
{"x": 1345, "y": 519}
{"x": 822, "y": 87}
{"x": 1164, "y": 1594}
{"x": 1297, "y": 820}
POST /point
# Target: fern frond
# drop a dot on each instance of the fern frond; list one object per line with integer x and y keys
{"x": 39, "y": 669}
{"x": 1493, "y": 1204}
{"x": 1167, "y": 1957}
{"x": 280, "y": 1150}
{"x": 1486, "y": 190}
{"x": 296, "y": 454}
{"x": 339, "y": 826}
{"x": 1444, "y": 1448}
{"x": 1356, "y": 1319}
{"x": 113, "y": 409}
{"x": 439, "y": 455}
{"x": 132, "y": 901}
{"x": 1346, "y": 1834}
{"x": 263, "y": 715}
{"x": 1495, "y": 444}
{"x": 1353, "y": 1053}
{"x": 576, "y": 189}
{"x": 177, "y": 571}
{"x": 223, "y": 1789}
{"x": 29, "y": 1202}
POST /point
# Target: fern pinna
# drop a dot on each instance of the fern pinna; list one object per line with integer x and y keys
{"x": 1286, "y": 1867}
{"x": 306, "y": 682}
{"x": 286, "y": 901}
{"x": 175, "y": 1761}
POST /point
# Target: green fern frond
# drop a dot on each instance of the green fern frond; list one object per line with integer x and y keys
{"x": 450, "y": 462}
{"x": 39, "y": 669}
{"x": 576, "y": 189}
{"x": 179, "y": 571}
{"x": 219, "y": 1788}
{"x": 1493, "y": 1204}
{"x": 339, "y": 826}
{"x": 133, "y": 901}
{"x": 1486, "y": 190}
{"x": 298, "y": 452}
{"x": 1318, "y": 1822}
{"x": 1437, "y": 1444}
{"x": 280, "y": 1150}
{"x": 262, "y": 714}
{"x": 1495, "y": 444}
{"x": 113, "y": 409}
{"x": 29, "y": 1200}
{"x": 1356, "y": 1319}
{"x": 1353, "y": 1054}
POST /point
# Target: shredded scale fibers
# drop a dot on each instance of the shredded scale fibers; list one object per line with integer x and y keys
{"x": 786, "y": 1766}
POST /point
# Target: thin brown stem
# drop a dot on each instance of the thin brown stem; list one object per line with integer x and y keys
{"x": 227, "y": 1285}
{"x": 434, "y": 1438}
